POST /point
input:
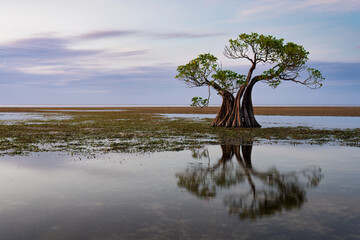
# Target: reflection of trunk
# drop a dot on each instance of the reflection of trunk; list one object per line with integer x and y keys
{"x": 225, "y": 109}
{"x": 243, "y": 154}
{"x": 246, "y": 152}
{"x": 227, "y": 154}
{"x": 244, "y": 160}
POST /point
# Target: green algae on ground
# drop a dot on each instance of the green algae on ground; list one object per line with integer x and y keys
{"x": 133, "y": 131}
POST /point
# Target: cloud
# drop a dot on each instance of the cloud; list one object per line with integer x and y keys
{"x": 184, "y": 35}
{"x": 40, "y": 50}
{"x": 328, "y": 5}
{"x": 87, "y": 91}
{"x": 54, "y": 56}
{"x": 55, "y": 50}
{"x": 67, "y": 75}
{"x": 134, "y": 76}
{"x": 107, "y": 34}
{"x": 262, "y": 8}
{"x": 339, "y": 71}
{"x": 52, "y": 61}
{"x": 128, "y": 53}
{"x": 152, "y": 34}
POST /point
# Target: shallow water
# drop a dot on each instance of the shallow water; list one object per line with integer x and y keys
{"x": 289, "y": 121}
{"x": 16, "y": 116}
{"x": 85, "y": 110}
{"x": 228, "y": 192}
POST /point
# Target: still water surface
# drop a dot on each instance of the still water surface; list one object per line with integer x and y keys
{"x": 264, "y": 120}
{"x": 288, "y": 121}
{"x": 24, "y": 116}
{"x": 218, "y": 192}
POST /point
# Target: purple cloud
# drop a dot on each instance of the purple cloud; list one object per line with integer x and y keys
{"x": 127, "y": 53}
{"x": 107, "y": 34}
{"x": 184, "y": 35}
{"x": 44, "y": 50}
{"x": 125, "y": 33}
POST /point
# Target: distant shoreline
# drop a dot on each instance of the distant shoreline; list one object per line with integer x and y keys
{"x": 345, "y": 111}
{"x": 151, "y": 105}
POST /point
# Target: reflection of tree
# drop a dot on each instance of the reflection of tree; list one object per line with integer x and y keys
{"x": 269, "y": 191}
{"x": 199, "y": 153}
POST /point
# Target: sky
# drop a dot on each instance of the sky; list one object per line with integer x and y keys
{"x": 127, "y": 52}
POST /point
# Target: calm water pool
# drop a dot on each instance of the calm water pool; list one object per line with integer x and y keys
{"x": 23, "y": 116}
{"x": 85, "y": 110}
{"x": 289, "y": 121}
{"x": 218, "y": 192}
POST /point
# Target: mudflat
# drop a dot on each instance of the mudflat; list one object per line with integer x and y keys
{"x": 285, "y": 111}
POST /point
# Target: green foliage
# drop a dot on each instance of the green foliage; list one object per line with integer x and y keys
{"x": 199, "y": 102}
{"x": 196, "y": 73}
{"x": 229, "y": 80}
{"x": 205, "y": 71}
{"x": 287, "y": 60}
{"x": 254, "y": 47}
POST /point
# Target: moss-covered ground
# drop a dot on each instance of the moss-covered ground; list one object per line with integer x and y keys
{"x": 136, "y": 131}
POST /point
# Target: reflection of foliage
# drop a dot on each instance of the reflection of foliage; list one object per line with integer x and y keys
{"x": 281, "y": 191}
{"x": 205, "y": 182}
{"x": 199, "y": 153}
{"x": 278, "y": 191}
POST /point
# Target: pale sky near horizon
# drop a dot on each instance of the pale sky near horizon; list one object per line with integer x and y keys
{"x": 126, "y": 52}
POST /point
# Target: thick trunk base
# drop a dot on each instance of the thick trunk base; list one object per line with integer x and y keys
{"x": 243, "y": 113}
{"x": 225, "y": 110}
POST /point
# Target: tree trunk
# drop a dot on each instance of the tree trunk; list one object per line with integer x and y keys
{"x": 243, "y": 111}
{"x": 234, "y": 119}
{"x": 248, "y": 116}
{"x": 237, "y": 112}
{"x": 225, "y": 109}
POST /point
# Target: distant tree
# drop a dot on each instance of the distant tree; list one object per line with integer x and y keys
{"x": 286, "y": 63}
{"x": 205, "y": 71}
{"x": 200, "y": 102}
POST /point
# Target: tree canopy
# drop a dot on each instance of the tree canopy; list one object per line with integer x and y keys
{"x": 206, "y": 71}
{"x": 285, "y": 61}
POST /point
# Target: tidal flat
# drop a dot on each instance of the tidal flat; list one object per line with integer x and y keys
{"x": 88, "y": 131}
{"x": 137, "y": 174}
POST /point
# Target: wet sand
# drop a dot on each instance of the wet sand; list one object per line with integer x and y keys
{"x": 285, "y": 111}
